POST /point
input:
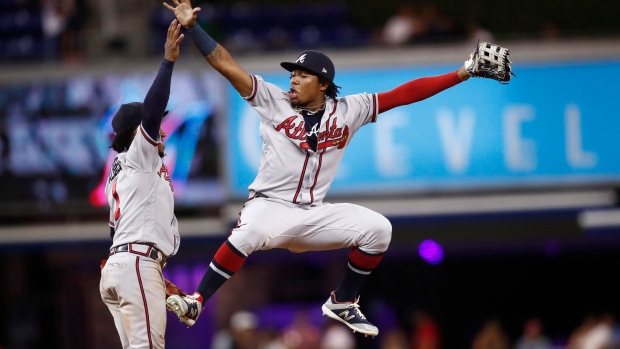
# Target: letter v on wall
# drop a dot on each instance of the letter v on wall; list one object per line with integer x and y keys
{"x": 456, "y": 135}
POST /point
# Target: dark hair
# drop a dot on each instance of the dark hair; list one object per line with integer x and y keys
{"x": 121, "y": 142}
{"x": 332, "y": 89}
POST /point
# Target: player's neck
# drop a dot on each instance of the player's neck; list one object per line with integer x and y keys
{"x": 313, "y": 109}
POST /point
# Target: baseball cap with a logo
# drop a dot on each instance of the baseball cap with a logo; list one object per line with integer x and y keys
{"x": 315, "y": 62}
{"x": 128, "y": 116}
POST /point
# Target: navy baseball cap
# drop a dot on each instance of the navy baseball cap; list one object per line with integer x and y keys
{"x": 128, "y": 116}
{"x": 315, "y": 62}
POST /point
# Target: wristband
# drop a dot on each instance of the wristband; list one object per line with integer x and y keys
{"x": 203, "y": 41}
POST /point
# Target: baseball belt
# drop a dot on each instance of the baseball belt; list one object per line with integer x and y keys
{"x": 154, "y": 253}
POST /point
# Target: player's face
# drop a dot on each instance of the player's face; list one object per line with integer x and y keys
{"x": 306, "y": 90}
{"x": 161, "y": 146}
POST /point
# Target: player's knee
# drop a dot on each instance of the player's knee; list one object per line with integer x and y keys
{"x": 247, "y": 242}
{"x": 381, "y": 235}
{"x": 384, "y": 233}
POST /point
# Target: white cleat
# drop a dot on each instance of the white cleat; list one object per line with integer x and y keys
{"x": 349, "y": 313}
{"x": 187, "y": 308}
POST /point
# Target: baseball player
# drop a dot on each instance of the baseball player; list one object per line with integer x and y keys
{"x": 305, "y": 131}
{"x": 143, "y": 226}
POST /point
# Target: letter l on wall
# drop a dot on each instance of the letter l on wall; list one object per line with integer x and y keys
{"x": 575, "y": 155}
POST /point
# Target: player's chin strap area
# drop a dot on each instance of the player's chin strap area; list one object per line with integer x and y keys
{"x": 150, "y": 252}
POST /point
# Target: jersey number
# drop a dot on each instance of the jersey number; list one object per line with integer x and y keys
{"x": 117, "y": 205}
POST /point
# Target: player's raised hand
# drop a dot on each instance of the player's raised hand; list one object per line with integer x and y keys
{"x": 184, "y": 12}
{"x": 173, "y": 40}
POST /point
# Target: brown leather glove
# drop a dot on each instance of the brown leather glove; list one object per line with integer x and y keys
{"x": 173, "y": 289}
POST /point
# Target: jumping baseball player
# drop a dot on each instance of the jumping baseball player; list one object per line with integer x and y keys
{"x": 305, "y": 131}
{"x": 143, "y": 226}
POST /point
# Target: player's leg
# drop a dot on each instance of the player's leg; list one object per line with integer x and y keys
{"x": 154, "y": 300}
{"x": 334, "y": 226}
{"x": 107, "y": 289}
{"x": 368, "y": 233}
{"x": 118, "y": 323}
{"x": 262, "y": 222}
{"x": 141, "y": 295}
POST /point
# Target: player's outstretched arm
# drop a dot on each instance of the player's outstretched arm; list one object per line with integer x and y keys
{"x": 157, "y": 97}
{"x": 219, "y": 58}
{"x": 419, "y": 89}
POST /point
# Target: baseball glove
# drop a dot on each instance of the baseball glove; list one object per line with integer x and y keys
{"x": 172, "y": 289}
{"x": 490, "y": 61}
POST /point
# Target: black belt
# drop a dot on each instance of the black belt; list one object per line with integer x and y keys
{"x": 152, "y": 252}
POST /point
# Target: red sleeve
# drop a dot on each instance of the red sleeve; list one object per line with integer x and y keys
{"x": 416, "y": 90}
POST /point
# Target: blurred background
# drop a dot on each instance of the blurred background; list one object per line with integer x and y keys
{"x": 503, "y": 199}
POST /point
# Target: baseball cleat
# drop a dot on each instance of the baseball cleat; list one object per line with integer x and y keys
{"x": 187, "y": 308}
{"x": 349, "y": 313}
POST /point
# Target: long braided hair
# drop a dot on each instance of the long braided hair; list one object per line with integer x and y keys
{"x": 122, "y": 141}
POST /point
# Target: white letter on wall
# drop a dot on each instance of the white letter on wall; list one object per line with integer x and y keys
{"x": 575, "y": 155}
{"x": 519, "y": 153}
{"x": 456, "y": 137}
{"x": 391, "y": 158}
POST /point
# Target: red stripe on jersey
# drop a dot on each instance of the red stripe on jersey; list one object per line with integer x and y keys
{"x": 228, "y": 258}
{"x": 316, "y": 176}
{"x": 254, "y": 89}
{"x": 117, "y": 209}
{"x": 301, "y": 178}
{"x": 146, "y": 305}
{"x": 374, "y": 108}
{"x": 335, "y": 106}
{"x": 148, "y": 138}
{"x": 364, "y": 260}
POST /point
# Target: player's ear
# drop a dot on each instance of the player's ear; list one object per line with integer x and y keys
{"x": 323, "y": 85}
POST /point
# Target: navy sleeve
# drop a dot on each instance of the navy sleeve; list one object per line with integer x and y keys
{"x": 156, "y": 100}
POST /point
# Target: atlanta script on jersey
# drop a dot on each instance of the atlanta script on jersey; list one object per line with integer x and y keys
{"x": 140, "y": 196}
{"x": 289, "y": 170}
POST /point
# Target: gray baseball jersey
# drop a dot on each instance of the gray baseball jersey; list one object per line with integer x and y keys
{"x": 140, "y": 196}
{"x": 142, "y": 212}
{"x": 293, "y": 179}
{"x": 289, "y": 170}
